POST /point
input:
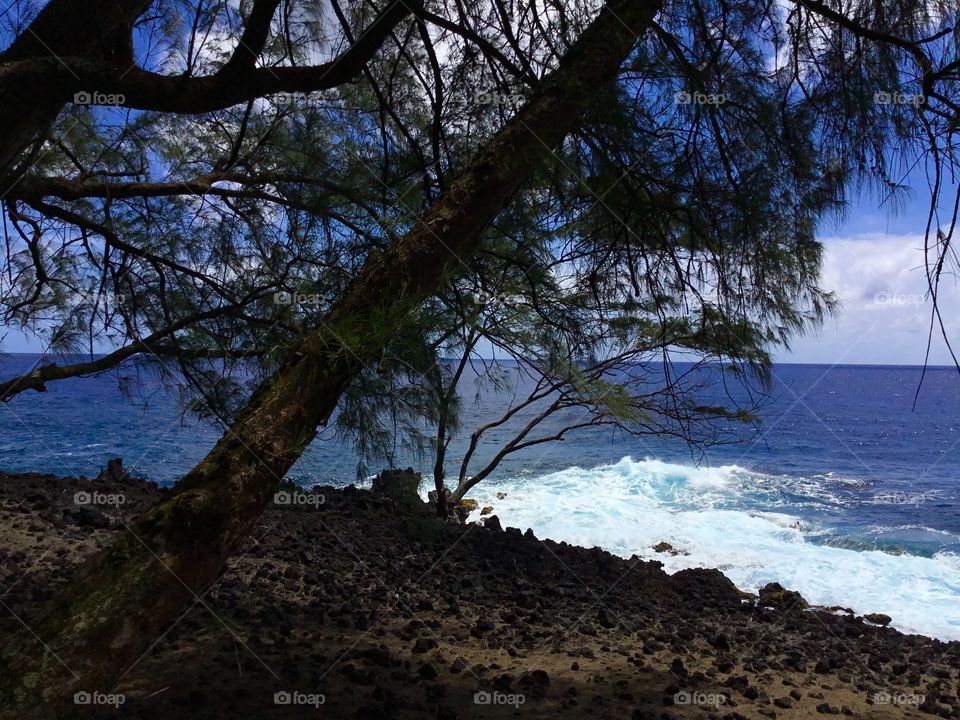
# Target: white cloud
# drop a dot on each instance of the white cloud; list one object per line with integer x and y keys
{"x": 884, "y": 316}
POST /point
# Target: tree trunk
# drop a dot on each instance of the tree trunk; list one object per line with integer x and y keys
{"x": 443, "y": 508}
{"x": 125, "y": 596}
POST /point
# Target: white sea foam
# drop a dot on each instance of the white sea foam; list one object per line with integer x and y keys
{"x": 630, "y": 506}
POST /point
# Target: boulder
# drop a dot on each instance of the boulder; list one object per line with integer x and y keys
{"x": 492, "y": 522}
{"x": 535, "y": 682}
{"x": 703, "y": 587}
{"x": 114, "y": 472}
{"x": 776, "y": 596}
{"x": 401, "y": 485}
{"x": 424, "y": 644}
{"x": 878, "y": 618}
{"x": 464, "y": 508}
{"x": 665, "y": 547}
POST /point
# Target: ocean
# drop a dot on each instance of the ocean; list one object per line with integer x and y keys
{"x": 848, "y": 493}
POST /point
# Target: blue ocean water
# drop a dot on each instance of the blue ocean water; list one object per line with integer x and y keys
{"x": 849, "y": 494}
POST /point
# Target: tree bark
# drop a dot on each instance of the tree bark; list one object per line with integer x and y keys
{"x": 125, "y": 596}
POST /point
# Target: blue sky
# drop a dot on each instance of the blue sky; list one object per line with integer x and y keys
{"x": 874, "y": 263}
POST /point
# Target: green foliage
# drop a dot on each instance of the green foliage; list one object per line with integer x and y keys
{"x": 663, "y": 230}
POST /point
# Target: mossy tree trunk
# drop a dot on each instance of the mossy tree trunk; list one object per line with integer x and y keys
{"x": 125, "y": 596}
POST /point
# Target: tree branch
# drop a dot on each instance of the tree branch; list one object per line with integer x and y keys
{"x": 36, "y": 379}
{"x": 40, "y": 186}
{"x": 232, "y": 84}
{"x": 254, "y": 37}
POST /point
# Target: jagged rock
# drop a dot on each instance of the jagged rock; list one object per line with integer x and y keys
{"x": 494, "y": 598}
{"x": 400, "y": 485}
{"x": 878, "y": 618}
{"x": 535, "y": 682}
{"x": 776, "y": 596}
{"x": 114, "y": 472}
{"x": 487, "y": 509}
{"x": 665, "y": 547}
{"x": 710, "y": 587}
{"x": 423, "y": 645}
{"x": 492, "y": 522}
{"x": 464, "y": 508}
{"x": 606, "y": 618}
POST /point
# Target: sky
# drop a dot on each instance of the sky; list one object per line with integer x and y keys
{"x": 873, "y": 262}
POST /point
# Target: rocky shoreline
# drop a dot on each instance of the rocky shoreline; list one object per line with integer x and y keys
{"x": 348, "y": 603}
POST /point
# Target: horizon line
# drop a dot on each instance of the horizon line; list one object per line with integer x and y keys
{"x": 779, "y": 362}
